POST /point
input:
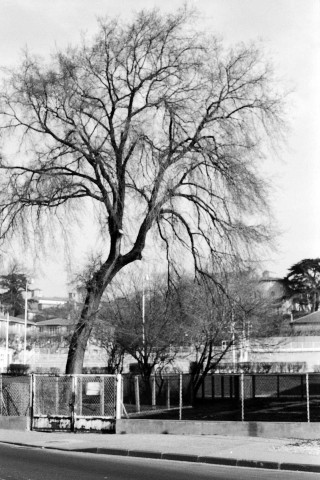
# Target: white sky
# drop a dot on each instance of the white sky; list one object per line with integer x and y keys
{"x": 289, "y": 31}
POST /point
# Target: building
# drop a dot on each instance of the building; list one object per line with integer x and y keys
{"x": 54, "y": 327}
{"x": 306, "y": 325}
{"x": 15, "y": 326}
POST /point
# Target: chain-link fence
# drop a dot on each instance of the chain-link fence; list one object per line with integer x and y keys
{"x": 83, "y": 395}
{"x": 236, "y": 397}
{"x": 14, "y": 395}
{"x": 265, "y": 397}
{"x": 246, "y": 397}
{"x": 95, "y": 395}
{"x": 52, "y": 396}
{"x": 154, "y": 395}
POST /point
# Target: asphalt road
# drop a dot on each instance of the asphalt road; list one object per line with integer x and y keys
{"x": 21, "y": 463}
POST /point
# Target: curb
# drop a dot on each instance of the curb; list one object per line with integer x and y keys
{"x": 266, "y": 464}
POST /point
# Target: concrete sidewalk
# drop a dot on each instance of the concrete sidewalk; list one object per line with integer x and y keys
{"x": 280, "y": 454}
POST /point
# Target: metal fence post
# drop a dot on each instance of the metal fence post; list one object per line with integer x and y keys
{"x": 253, "y": 380}
{"x": 153, "y": 391}
{"x": 80, "y": 386}
{"x": 73, "y": 401}
{"x": 212, "y": 387}
{"x": 119, "y": 399}
{"x": 31, "y": 399}
{"x": 242, "y": 396}
{"x": 308, "y": 397}
{"x": 168, "y": 393}
{"x": 102, "y": 396}
{"x": 57, "y": 395}
{"x": 137, "y": 393}
{"x": 180, "y": 396}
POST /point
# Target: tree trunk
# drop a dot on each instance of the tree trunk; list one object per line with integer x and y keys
{"x": 82, "y": 332}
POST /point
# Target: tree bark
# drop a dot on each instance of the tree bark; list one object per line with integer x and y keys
{"x": 82, "y": 332}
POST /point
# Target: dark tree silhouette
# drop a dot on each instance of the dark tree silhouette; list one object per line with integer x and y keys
{"x": 13, "y": 284}
{"x": 303, "y": 283}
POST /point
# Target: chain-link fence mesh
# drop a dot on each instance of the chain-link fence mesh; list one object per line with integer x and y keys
{"x": 85, "y": 395}
{"x": 52, "y": 395}
{"x": 258, "y": 397}
{"x": 155, "y": 395}
{"x": 14, "y": 395}
{"x": 95, "y": 395}
{"x": 314, "y": 397}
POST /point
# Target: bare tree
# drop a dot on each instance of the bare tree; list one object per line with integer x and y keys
{"x": 144, "y": 322}
{"x": 219, "y": 317}
{"x": 155, "y": 125}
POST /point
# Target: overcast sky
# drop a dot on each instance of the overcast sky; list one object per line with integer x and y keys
{"x": 288, "y": 29}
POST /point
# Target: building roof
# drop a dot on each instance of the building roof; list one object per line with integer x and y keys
{"x": 59, "y": 322}
{"x": 311, "y": 318}
{"x": 3, "y": 318}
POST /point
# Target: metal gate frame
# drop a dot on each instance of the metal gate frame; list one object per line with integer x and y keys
{"x": 73, "y": 414}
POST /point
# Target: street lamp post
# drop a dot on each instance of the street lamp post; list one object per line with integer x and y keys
{"x": 7, "y": 341}
{"x": 25, "y": 322}
{"x": 144, "y": 314}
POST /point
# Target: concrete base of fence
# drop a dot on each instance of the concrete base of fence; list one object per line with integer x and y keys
{"x": 14, "y": 423}
{"x": 63, "y": 423}
{"x": 250, "y": 429}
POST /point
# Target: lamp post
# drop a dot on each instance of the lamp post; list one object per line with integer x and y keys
{"x": 144, "y": 314}
{"x": 7, "y": 341}
{"x": 25, "y": 322}
{"x": 233, "y": 341}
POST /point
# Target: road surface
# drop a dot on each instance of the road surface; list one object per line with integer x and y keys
{"x": 25, "y": 463}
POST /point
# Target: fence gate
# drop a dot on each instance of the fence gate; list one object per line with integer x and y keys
{"x": 74, "y": 402}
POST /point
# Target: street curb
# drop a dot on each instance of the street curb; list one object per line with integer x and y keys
{"x": 266, "y": 464}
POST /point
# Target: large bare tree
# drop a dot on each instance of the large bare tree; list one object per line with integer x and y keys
{"x": 155, "y": 124}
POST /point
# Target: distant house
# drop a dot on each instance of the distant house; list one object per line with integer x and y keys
{"x": 15, "y": 326}
{"x": 306, "y": 325}
{"x": 54, "y": 326}
{"x": 49, "y": 302}
{"x": 5, "y": 358}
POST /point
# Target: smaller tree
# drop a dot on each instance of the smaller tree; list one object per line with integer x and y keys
{"x": 219, "y": 316}
{"x": 142, "y": 321}
{"x": 13, "y": 284}
{"x": 103, "y": 335}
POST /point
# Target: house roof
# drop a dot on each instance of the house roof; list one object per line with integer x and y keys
{"x": 59, "y": 322}
{"x": 310, "y": 318}
{"x": 3, "y": 318}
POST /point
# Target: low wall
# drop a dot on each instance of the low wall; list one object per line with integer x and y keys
{"x": 14, "y": 423}
{"x": 54, "y": 423}
{"x": 250, "y": 429}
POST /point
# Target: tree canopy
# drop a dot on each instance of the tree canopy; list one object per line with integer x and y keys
{"x": 12, "y": 285}
{"x": 156, "y": 125}
{"x": 303, "y": 283}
